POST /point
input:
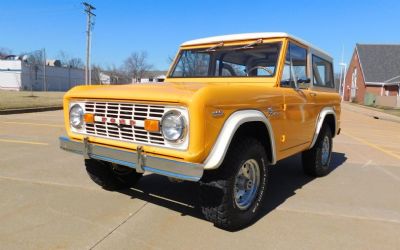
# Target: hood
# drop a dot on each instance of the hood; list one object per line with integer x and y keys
{"x": 158, "y": 92}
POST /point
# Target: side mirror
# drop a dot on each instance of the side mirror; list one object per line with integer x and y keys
{"x": 303, "y": 83}
{"x": 307, "y": 80}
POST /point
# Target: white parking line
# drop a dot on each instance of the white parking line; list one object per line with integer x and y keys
{"x": 24, "y": 142}
{"x": 372, "y": 145}
{"x": 366, "y": 164}
{"x": 48, "y": 183}
{"x": 394, "y": 220}
{"x": 35, "y": 124}
{"x": 387, "y": 172}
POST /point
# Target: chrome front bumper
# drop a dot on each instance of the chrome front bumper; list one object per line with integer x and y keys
{"x": 137, "y": 160}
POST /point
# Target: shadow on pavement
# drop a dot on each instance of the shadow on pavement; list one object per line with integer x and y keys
{"x": 286, "y": 177}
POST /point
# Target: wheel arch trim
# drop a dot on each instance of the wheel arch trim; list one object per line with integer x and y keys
{"x": 231, "y": 125}
{"x": 320, "y": 120}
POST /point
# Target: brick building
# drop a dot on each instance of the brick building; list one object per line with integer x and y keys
{"x": 373, "y": 69}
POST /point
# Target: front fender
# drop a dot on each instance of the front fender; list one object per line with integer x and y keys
{"x": 231, "y": 125}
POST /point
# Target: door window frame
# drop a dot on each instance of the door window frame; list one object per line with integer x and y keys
{"x": 308, "y": 59}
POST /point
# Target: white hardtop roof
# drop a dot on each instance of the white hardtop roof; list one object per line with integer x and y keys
{"x": 250, "y": 36}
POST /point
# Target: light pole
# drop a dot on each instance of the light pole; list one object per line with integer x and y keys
{"x": 343, "y": 73}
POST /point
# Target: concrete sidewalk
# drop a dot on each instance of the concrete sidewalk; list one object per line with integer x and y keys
{"x": 369, "y": 111}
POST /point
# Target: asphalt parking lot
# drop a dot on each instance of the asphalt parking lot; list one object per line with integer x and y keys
{"x": 47, "y": 201}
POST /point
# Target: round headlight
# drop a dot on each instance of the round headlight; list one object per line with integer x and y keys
{"x": 76, "y": 116}
{"x": 173, "y": 126}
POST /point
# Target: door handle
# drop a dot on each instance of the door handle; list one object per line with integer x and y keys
{"x": 313, "y": 94}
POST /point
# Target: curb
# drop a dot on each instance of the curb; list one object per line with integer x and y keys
{"x": 28, "y": 110}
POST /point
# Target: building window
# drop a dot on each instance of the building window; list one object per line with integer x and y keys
{"x": 353, "y": 89}
{"x": 354, "y": 78}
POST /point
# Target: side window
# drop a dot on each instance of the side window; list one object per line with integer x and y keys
{"x": 323, "y": 72}
{"x": 295, "y": 66}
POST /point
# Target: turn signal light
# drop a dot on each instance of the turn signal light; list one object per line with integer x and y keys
{"x": 152, "y": 125}
{"x": 88, "y": 118}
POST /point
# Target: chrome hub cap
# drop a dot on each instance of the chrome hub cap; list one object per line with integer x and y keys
{"x": 247, "y": 182}
{"x": 325, "y": 151}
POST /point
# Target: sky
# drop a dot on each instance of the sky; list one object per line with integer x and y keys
{"x": 159, "y": 27}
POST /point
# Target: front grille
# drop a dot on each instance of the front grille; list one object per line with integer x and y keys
{"x": 115, "y": 126}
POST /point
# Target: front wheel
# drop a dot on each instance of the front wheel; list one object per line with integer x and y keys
{"x": 231, "y": 196}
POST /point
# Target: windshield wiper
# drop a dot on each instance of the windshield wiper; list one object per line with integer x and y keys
{"x": 221, "y": 44}
{"x": 250, "y": 45}
{"x": 213, "y": 48}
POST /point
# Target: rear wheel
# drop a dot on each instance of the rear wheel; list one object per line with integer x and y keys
{"x": 111, "y": 176}
{"x": 316, "y": 160}
{"x": 231, "y": 196}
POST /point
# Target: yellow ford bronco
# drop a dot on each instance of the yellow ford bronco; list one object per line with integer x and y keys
{"x": 230, "y": 107}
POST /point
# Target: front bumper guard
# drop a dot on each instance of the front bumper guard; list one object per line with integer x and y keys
{"x": 137, "y": 160}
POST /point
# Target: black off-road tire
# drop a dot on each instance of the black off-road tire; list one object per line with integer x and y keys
{"x": 110, "y": 176}
{"x": 312, "y": 158}
{"x": 217, "y": 186}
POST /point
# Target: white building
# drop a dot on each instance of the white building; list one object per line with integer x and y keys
{"x": 19, "y": 75}
{"x": 151, "y": 76}
{"x": 104, "y": 78}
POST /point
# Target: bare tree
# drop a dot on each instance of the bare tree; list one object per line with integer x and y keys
{"x": 136, "y": 65}
{"x": 35, "y": 58}
{"x": 96, "y": 73}
{"x": 115, "y": 74}
{"x": 68, "y": 61}
{"x": 76, "y": 62}
{"x": 35, "y": 61}
{"x": 4, "y": 52}
{"x": 63, "y": 57}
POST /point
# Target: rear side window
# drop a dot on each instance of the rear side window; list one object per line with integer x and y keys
{"x": 323, "y": 72}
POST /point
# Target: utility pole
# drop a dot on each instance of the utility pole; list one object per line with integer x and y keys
{"x": 89, "y": 25}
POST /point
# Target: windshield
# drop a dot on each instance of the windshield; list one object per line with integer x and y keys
{"x": 254, "y": 60}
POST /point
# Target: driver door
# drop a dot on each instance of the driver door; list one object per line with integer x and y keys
{"x": 299, "y": 101}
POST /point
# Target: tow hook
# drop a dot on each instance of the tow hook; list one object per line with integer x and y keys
{"x": 140, "y": 162}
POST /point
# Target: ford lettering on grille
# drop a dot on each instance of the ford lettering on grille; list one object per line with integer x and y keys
{"x": 124, "y": 121}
